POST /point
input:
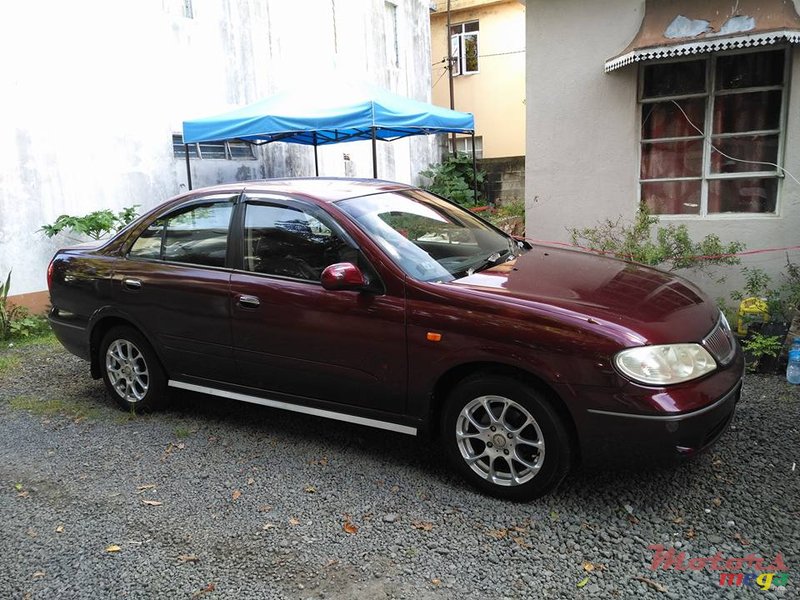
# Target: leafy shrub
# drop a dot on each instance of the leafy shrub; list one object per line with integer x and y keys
{"x": 508, "y": 215}
{"x": 95, "y": 225}
{"x": 781, "y": 301}
{"x": 758, "y": 346}
{"x": 16, "y": 322}
{"x": 454, "y": 179}
{"x": 672, "y": 247}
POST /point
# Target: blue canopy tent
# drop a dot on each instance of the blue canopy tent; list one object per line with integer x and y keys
{"x": 322, "y": 113}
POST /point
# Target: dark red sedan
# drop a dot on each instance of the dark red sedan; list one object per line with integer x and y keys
{"x": 381, "y": 304}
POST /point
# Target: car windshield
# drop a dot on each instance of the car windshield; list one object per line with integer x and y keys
{"x": 429, "y": 238}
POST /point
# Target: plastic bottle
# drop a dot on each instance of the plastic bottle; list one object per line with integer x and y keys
{"x": 793, "y": 368}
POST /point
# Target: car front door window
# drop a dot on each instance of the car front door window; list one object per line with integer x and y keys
{"x": 289, "y": 242}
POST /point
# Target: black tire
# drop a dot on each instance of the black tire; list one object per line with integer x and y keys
{"x": 503, "y": 465}
{"x": 131, "y": 370}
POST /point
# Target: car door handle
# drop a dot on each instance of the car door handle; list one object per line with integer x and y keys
{"x": 132, "y": 284}
{"x": 249, "y": 301}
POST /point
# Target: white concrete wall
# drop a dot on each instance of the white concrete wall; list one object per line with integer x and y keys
{"x": 93, "y": 90}
{"x": 583, "y": 135}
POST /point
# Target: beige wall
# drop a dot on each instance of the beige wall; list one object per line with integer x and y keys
{"x": 495, "y": 95}
{"x": 583, "y": 124}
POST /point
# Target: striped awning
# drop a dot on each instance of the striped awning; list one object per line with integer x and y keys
{"x": 673, "y": 28}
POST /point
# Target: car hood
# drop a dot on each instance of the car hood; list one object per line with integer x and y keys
{"x": 643, "y": 305}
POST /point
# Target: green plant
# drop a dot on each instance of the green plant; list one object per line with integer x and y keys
{"x": 508, "y": 215}
{"x": 781, "y": 301}
{"x": 671, "y": 246}
{"x": 26, "y": 325}
{"x": 455, "y": 179}
{"x": 9, "y": 313}
{"x": 94, "y": 225}
{"x": 759, "y": 346}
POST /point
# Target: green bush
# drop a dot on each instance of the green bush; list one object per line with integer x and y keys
{"x": 670, "y": 247}
{"x": 782, "y": 301}
{"x": 759, "y": 346}
{"x": 454, "y": 179}
{"x": 16, "y": 322}
{"x": 95, "y": 225}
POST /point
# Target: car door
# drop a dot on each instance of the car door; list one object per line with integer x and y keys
{"x": 175, "y": 284}
{"x": 292, "y": 336}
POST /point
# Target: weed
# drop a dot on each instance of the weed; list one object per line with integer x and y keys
{"x": 8, "y": 362}
{"x": 50, "y": 407}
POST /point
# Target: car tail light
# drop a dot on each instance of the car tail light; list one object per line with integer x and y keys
{"x": 50, "y": 274}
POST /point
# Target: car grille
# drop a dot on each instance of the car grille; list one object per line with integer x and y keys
{"x": 720, "y": 343}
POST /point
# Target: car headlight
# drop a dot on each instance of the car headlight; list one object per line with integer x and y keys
{"x": 665, "y": 365}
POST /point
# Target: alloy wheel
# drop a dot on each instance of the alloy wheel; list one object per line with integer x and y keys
{"x": 500, "y": 440}
{"x": 127, "y": 370}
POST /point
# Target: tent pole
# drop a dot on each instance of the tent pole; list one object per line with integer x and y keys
{"x": 374, "y": 154}
{"x": 474, "y": 167}
{"x": 316, "y": 158}
{"x": 188, "y": 168}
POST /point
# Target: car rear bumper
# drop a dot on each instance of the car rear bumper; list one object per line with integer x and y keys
{"x": 71, "y": 333}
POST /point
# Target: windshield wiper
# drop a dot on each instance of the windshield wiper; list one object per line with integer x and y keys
{"x": 491, "y": 260}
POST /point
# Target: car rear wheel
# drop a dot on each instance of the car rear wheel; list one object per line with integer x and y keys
{"x": 131, "y": 370}
{"x": 505, "y": 438}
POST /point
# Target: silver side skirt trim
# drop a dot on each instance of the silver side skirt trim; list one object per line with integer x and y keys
{"x": 327, "y": 414}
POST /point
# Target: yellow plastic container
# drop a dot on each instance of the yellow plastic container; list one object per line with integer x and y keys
{"x": 751, "y": 309}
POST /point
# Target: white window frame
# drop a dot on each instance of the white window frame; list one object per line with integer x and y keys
{"x": 459, "y": 62}
{"x": 196, "y": 153}
{"x": 709, "y": 96}
{"x": 464, "y": 146}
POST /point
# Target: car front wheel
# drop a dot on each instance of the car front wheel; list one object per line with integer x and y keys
{"x": 131, "y": 371}
{"x": 505, "y": 438}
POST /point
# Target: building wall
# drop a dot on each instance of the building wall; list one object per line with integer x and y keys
{"x": 583, "y": 129}
{"x": 90, "y": 108}
{"x": 495, "y": 95}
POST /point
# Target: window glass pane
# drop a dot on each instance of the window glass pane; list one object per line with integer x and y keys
{"x": 199, "y": 235}
{"x": 241, "y": 150}
{"x": 455, "y": 51}
{"x": 179, "y": 149}
{"x": 672, "y": 159}
{"x": 674, "y": 79}
{"x": 665, "y": 119}
{"x": 747, "y": 112}
{"x": 756, "y": 148}
{"x": 456, "y": 29}
{"x": 473, "y": 26}
{"x": 672, "y": 197}
{"x": 470, "y": 52}
{"x": 149, "y": 243}
{"x": 750, "y": 70}
{"x": 752, "y": 195}
{"x": 212, "y": 150}
{"x": 288, "y": 242}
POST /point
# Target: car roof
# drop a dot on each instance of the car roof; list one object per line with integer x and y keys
{"x": 326, "y": 189}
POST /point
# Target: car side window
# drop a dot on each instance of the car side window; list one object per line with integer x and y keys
{"x": 197, "y": 234}
{"x": 289, "y": 242}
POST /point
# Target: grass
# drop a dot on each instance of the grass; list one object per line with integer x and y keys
{"x": 50, "y": 407}
{"x": 182, "y": 432}
{"x": 8, "y": 362}
{"x": 47, "y": 338}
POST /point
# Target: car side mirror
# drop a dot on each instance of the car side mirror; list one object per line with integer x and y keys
{"x": 343, "y": 276}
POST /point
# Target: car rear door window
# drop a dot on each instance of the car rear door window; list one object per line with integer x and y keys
{"x": 197, "y": 234}
{"x": 290, "y": 242}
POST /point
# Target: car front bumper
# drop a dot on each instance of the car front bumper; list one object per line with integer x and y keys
{"x": 636, "y": 438}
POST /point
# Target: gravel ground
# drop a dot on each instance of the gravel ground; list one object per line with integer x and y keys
{"x": 217, "y": 499}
